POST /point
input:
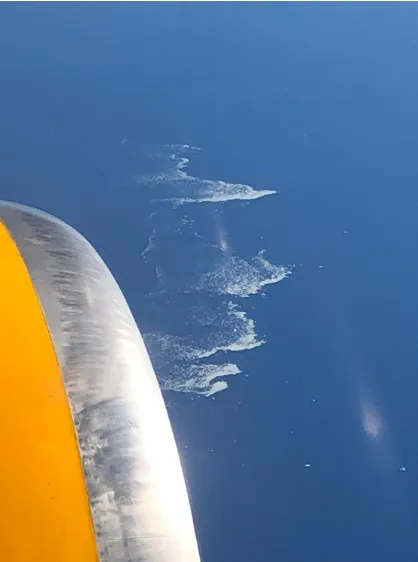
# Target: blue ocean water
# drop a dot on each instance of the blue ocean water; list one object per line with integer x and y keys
{"x": 309, "y": 454}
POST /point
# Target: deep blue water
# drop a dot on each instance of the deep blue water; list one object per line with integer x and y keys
{"x": 319, "y": 102}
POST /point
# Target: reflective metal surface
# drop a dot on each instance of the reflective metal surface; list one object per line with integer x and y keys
{"x": 137, "y": 492}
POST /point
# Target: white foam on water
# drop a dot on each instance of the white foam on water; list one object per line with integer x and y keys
{"x": 208, "y": 327}
{"x": 238, "y": 277}
{"x": 211, "y": 191}
{"x": 193, "y": 189}
{"x": 182, "y": 148}
{"x": 241, "y": 331}
{"x": 180, "y": 364}
{"x": 231, "y": 331}
{"x": 167, "y": 348}
{"x": 150, "y": 245}
{"x": 200, "y": 379}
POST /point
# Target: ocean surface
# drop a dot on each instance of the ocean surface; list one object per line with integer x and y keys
{"x": 249, "y": 173}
